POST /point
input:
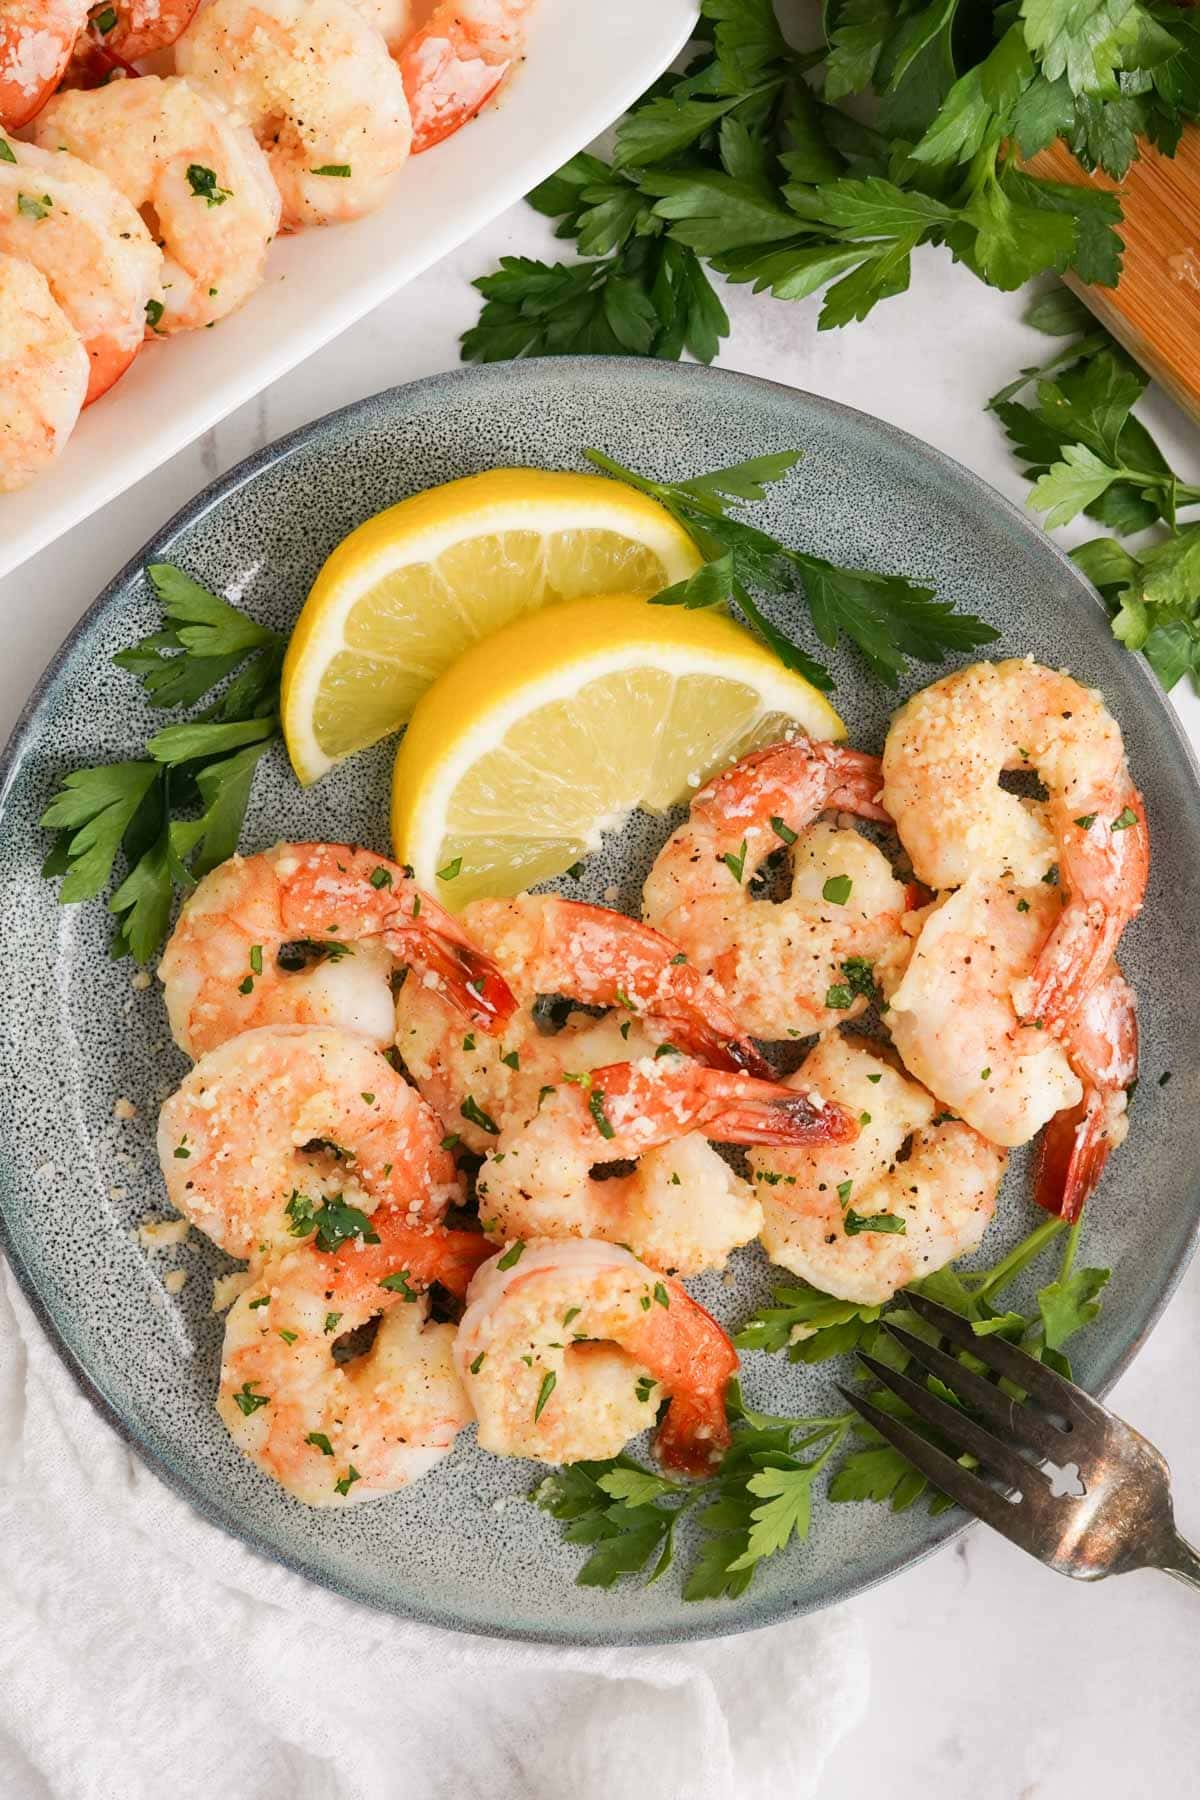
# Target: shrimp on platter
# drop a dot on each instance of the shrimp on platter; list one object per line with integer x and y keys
{"x": 811, "y": 960}
{"x": 37, "y": 38}
{"x": 103, "y": 267}
{"x": 599, "y": 957}
{"x": 192, "y": 170}
{"x": 291, "y": 1131}
{"x": 43, "y": 375}
{"x": 334, "y": 1430}
{"x": 945, "y": 753}
{"x": 688, "y": 1210}
{"x": 314, "y": 82}
{"x": 568, "y": 1348}
{"x": 1076, "y": 1144}
{"x": 311, "y": 934}
{"x": 954, "y": 1023}
{"x": 911, "y": 1192}
{"x": 457, "y": 60}
{"x": 952, "y": 1016}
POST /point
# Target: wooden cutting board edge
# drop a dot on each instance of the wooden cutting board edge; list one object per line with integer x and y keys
{"x": 1155, "y": 309}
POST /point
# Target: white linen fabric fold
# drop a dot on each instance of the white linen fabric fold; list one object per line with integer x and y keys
{"x": 145, "y": 1654}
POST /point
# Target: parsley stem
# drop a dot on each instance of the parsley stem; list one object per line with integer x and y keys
{"x": 1070, "y": 1247}
{"x": 1026, "y": 1252}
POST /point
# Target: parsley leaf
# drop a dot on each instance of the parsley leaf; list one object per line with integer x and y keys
{"x": 177, "y": 813}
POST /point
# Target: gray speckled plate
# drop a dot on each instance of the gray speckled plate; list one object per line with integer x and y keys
{"x": 463, "y": 1549}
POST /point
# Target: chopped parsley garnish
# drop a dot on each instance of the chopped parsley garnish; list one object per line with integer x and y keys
{"x": 511, "y": 1059}
{"x": 34, "y": 208}
{"x": 181, "y": 1149}
{"x": 247, "y": 1401}
{"x": 468, "y": 1042}
{"x": 665, "y": 1049}
{"x": 843, "y": 1191}
{"x": 1086, "y": 822}
{"x": 478, "y": 1363}
{"x": 572, "y": 1312}
{"x": 331, "y": 1322}
{"x": 644, "y": 1387}
{"x": 474, "y": 1113}
{"x": 320, "y": 1442}
{"x": 203, "y": 183}
{"x": 783, "y": 832}
{"x": 333, "y": 1221}
{"x": 596, "y": 1108}
{"x": 397, "y": 1283}
{"x": 154, "y": 308}
{"x": 838, "y": 997}
{"x": 679, "y": 957}
{"x": 450, "y": 1141}
{"x": 348, "y": 1480}
{"x": 1124, "y": 819}
{"x": 256, "y": 959}
{"x": 263, "y": 1300}
{"x": 1022, "y": 906}
{"x": 340, "y": 170}
{"x": 984, "y": 1073}
{"x": 105, "y": 20}
{"x": 661, "y": 1294}
{"x": 381, "y": 877}
{"x": 451, "y": 870}
{"x": 837, "y": 890}
{"x": 549, "y": 1381}
{"x": 735, "y": 860}
{"x": 853, "y": 1223}
{"x": 369, "y": 1099}
{"x": 289, "y": 1337}
{"x": 512, "y": 1255}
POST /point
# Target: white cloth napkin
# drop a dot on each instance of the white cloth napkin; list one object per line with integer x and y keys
{"x": 144, "y": 1654}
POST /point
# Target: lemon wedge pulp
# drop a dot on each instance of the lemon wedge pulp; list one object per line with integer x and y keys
{"x": 553, "y": 730}
{"x": 414, "y": 587}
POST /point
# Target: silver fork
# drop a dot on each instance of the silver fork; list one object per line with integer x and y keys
{"x": 1123, "y": 1517}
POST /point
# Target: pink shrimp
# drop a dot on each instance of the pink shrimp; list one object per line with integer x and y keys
{"x": 684, "y": 1211}
{"x": 811, "y": 960}
{"x": 567, "y": 1350}
{"x": 275, "y": 937}
{"x": 456, "y": 60}
{"x": 603, "y": 958}
{"x": 36, "y": 41}
{"x": 1102, "y": 1047}
{"x": 945, "y": 753}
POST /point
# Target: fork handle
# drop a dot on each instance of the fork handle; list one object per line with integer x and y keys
{"x": 1181, "y": 1561}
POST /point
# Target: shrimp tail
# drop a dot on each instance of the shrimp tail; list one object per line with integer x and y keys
{"x": 705, "y": 1039}
{"x": 767, "y": 1113}
{"x": 1074, "y": 1149}
{"x": 694, "y": 1434}
{"x": 698, "y": 1365}
{"x": 469, "y": 979}
{"x": 1072, "y": 961}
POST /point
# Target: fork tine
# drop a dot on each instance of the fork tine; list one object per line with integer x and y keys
{"x": 960, "y": 1431}
{"x": 1051, "y": 1390}
{"x": 945, "y": 1474}
{"x": 1022, "y": 1423}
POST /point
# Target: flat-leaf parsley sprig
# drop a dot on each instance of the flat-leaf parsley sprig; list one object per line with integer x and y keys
{"x": 889, "y": 618}
{"x": 176, "y": 812}
{"x": 751, "y": 161}
{"x": 760, "y": 1498}
{"x": 757, "y": 1502}
{"x": 1071, "y": 424}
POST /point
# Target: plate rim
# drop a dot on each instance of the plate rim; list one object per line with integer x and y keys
{"x": 21, "y": 738}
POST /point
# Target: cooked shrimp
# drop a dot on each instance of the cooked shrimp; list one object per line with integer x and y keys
{"x": 103, "y": 267}
{"x": 945, "y": 753}
{"x": 143, "y": 26}
{"x": 910, "y": 1193}
{"x": 194, "y": 174}
{"x": 392, "y": 19}
{"x": 43, "y": 375}
{"x": 319, "y": 91}
{"x": 335, "y": 1432}
{"x": 457, "y": 60}
{"x": 1103, "y": 1048}
{"x": 36, "y": 41}
{"x": 292, "y": 1129}
{"x": 309, "y": 934}
{"x": 952, "y": 1016}
{"x": 602, "y": 958}
{"x": 811, "y": 960}
{"x": 568, "y": 1349}
{"x": 685, "y": 1212}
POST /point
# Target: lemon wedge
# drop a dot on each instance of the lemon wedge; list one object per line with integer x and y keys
{"x": 414, "y": 587}
{"x": 541, "y": 739}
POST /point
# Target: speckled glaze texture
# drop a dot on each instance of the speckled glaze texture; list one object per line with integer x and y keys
{"x": 463, "y": 1548}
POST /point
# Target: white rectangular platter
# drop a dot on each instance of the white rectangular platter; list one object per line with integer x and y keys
{"x": 586, "y": 61}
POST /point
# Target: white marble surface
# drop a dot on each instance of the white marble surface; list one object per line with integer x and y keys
{"x": 990, "y": 1677}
